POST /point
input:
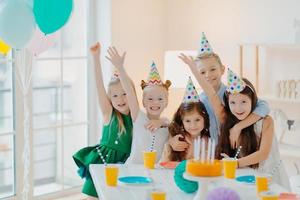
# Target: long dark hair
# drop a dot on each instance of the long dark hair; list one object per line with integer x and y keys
{"x": 176, "y": 127}
{"x": 247, "y": 138}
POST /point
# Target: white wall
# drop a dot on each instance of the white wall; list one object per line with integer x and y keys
{"x": 227, "y": 23}
{"x": 138, "y": 27}
{"x": 148, "y": 28}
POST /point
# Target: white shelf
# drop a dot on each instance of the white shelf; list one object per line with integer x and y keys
{"x": 280, "y": 100}
{"x": 282, "y": 46}
{"x": 289, "y": 150}
{"x": 273, "y": 62}
{"x": 275, "y": 46}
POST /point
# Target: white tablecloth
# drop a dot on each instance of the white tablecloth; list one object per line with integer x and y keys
{"x": 163, "y": 178}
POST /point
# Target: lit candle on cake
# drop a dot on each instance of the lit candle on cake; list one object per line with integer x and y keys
{"x": 196, "y": 148}
{"x": 202, "y": 150}
{"x": 213, "y": 145}
{"x": 208, "y": 150}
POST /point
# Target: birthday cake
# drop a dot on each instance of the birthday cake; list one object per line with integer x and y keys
{"x": 206, "y": 168}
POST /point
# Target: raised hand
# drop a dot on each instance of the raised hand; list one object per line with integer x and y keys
{"x": 95, "y": 49}
{"x": 187, "y": 60}
{"x": 115, "y": 58}
{"x": 103, "y": 99}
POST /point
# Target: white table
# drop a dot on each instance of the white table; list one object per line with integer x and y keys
{"x": 163, "y": 178}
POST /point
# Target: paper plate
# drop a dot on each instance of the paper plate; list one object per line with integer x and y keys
{"x": 135, "y": 180}
{"x": 249, "y": 179}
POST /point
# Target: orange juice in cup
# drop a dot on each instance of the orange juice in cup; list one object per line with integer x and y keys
{"x": 229, "y": 165}
{"x": 261, "y": 182}
{"x": 111, "y": 175}
{"x": 268, "y": 195}
{"x": 158, "y": 195}
{"x": 149, "y": 159}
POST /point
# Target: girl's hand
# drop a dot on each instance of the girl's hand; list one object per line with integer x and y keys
{"x": 187, "y": 60}
{"x": 153, "y": 125}
{"x": 235, "y": 132}
{"x": 224, "y": 155}
{"x": 115, "y": 58}
{"x": 178, "y": 143}
{"x": 96, "y": 49}
{"x": 190, "y": 152}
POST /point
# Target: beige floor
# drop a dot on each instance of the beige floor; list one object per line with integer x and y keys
{"x": 73, "y": 197}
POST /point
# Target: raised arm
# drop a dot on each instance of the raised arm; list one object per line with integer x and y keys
{"x": 265, "y": 145}
{"x": 208, "y": 89}
{"x": 103, "y": 100}
{"x": 118, "y": 62}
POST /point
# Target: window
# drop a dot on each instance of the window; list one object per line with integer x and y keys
{"x": 60, "y": 106}
{"x": 7, "y": 132}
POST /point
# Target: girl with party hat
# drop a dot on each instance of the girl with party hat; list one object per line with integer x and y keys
{"x": 209, "y": 64}
{"x": 258, "y": 142}
{"x": 155, "y": 100}
{"x": 115, "y": 144}
{"x": 190, "y": 121}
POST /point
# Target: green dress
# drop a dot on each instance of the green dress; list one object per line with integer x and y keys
{"x": 114, "y": 147}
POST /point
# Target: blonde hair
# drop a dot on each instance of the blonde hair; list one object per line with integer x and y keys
{"x": 121, "y": 125}
{"x": 209, "y": 55}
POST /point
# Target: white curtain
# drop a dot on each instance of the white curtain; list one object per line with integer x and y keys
{"x": 23, "y": 63}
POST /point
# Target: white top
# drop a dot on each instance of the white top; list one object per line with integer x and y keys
{"x": 142, "y": 139}
{"x": 280, "y": 176}
{"x": 164, "y": 179}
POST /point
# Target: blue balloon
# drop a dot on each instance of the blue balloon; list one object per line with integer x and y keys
{"x": 17, "y": 23}
{"x": 51, "y": 15}
{"x": 30, "y": 3}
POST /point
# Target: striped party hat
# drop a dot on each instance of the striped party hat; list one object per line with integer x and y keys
{"x": 204, "y": 46}
{"x": 191, "y": 94}
{"x": 153, "y": 77}
{"x": 234, "y": 83}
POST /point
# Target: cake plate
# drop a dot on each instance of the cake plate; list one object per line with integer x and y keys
{"x": 203, "y": 184}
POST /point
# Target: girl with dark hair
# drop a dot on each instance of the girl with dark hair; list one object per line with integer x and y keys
{"x": 190, "y": 121}
{"x": 247, "y": 138}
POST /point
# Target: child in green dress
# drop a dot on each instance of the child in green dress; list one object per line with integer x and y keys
{"x": 115, "y": 144}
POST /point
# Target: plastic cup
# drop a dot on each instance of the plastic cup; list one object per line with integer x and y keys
{"x": 268, "y": 195}
{"x": 149, "y": 159}
{"x": 261, "y": 182}
{"x": 111, "y": 175}
{"x": 158, "y": 195}
{"x": 229, "y": 165}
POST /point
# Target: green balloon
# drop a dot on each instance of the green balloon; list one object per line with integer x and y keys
{"x": 51, "y": 15}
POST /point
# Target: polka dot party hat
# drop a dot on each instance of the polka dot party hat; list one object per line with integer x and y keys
{"x": 154, "y": 77}
{"x": 204, "y": 46}
{"x": 191, "y": 94}
{"x": 234, "y": 83}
